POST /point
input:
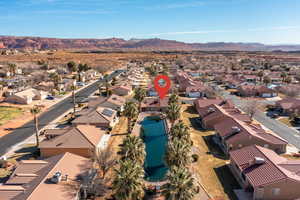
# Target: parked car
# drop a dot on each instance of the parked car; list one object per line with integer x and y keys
{"x": 49, "y": 97}
{"x": 80, "y": 84}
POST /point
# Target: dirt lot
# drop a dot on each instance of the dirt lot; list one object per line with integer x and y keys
{"x": 104, "y": 60}
{"x": 211, "y": 166}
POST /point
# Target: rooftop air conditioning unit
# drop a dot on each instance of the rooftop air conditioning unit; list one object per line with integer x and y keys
{"x": 259, "y": 160}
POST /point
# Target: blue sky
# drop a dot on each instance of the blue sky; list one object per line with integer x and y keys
{"x": 265, "y": 21}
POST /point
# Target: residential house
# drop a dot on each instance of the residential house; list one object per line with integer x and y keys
{"x": 114, "y": 102}
{"x": 122, "y": 90}
{"x": 288, "y": 105}
{"x": 266, "y": 175}
{"x": 232, "y": 134}
{"x": 256, "y": 91}
{"x": 26, "y": 96}
{"x": 213, "y": 114}
{"x": 81, "y": 140}
{"x": 100, "y": 117}
{"x": 202, "y": 103}
{"x": 154, "y": 104}
{"x": 57, "y": 177}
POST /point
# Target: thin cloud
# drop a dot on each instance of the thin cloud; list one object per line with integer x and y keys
{"x": 222, "y": 31}
{"x": 76, "y": 12}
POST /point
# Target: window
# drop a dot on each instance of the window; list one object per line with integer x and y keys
{"x": 276, "y": 191}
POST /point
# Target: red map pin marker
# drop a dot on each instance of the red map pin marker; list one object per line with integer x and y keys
{"x": 162, "y": 84}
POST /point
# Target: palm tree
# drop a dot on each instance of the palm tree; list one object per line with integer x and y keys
{"x": 178, "y": 153}
{"x": 35, "y": 110}
{"x": 130, "y": 111}
{"x": 133, "y": 148}
{"x": 173, "y": 112}
{"x": 174, "y": 99}
{"x": 180, "y": 185}
{"x": 283, "y": 76}
{"x": 73, "y": 88}
{"x": 128, "y": 183}
{"x": 181, "y": 132}
{"x": 107, "y": 84}
{"x": 140, "y": 94}
{"x": 12, "y": 69}
{"x": 55, "y": 78}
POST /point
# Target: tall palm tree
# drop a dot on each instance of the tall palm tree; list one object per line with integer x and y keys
{"x": 133, "y": 148}
{"x": 56, "y": 78}
{"x": 178, "y": 153}
{"x": 173, "y": 112}
{"x": 174, "y": 99}
{"x": 139, "y": 95}
{"x": 130, "y": 111}
{"x": 128, "y": 183}
{"x": 180, "y": 185}
{"x": 107, "y": 86}
{"x": 12, "y": 69}
{"x": 181, "y": 132}
{"x": 35, "y": 110}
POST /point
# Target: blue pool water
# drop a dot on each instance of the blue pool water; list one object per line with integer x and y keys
{"x": 155, "y": 138}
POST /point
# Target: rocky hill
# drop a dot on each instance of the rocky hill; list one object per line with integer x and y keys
{"x": 143, "y": 44}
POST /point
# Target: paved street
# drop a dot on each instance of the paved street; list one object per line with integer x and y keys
{"x": 287, "y": 133}
{"x": 55, "y": 111}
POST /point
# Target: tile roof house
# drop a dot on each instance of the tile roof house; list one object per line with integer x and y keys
{"x": 114, "y": 102}
{"x": 213, "y": 114}
{"x": 26, "y": 96}
{"x": 100, "y": 117}
{"x": 155, "y": 104}
{"x": 81, "y": 140}
{"x": 202, "y": 103}
{"x": 232, "y": 134}
{"x": 256, "y": 90}
{"x": 33, "y": 179}
{"x": 288, "y": 105}
{"x": 265, "y": 174}
{"x": 122, "y": 90}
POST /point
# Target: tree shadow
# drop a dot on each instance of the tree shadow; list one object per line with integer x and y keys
{"x": 227, "y": 180}
{"x": 214, "y": 148}
{"x": 195, "y": 122}
{"x": 191, "y": 110}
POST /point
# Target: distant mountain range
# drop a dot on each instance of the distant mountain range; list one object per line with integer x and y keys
{"x": 12, "y": 42}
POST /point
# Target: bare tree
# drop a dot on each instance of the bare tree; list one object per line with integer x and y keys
{"x": 105, "y": 160}
{"x": 251, "y": 108}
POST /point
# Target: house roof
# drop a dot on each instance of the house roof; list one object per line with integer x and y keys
{"x": 94, "y": 116}
{"x": 289, "y": 103}
{"x": 224, "y": 129}
{"x": 155, "y": 102}
{"x": 113, "y": 99}
{"x": 81, "y": 136}
{"x": 38, "y": 187}
{"x": 275, "y": 168}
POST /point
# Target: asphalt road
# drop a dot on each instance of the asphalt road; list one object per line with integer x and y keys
{"x": 289, "y": 134}
{"x": 27, "y": 130}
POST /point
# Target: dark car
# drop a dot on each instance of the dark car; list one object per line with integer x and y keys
{"x": 49, "y": 97}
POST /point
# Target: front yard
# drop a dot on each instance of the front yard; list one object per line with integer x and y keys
{"x": 8, "y": 113}
{"x": 211, "y": 167}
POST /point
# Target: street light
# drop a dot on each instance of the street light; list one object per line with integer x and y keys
{"x": 73, "y": 94}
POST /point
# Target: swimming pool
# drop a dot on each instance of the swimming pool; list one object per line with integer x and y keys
{"x": 154, "y": 135}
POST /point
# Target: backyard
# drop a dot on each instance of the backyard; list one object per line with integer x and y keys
{"x": 211, "y": 167}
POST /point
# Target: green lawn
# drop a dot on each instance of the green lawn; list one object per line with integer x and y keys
{"x": 9, "y": 113}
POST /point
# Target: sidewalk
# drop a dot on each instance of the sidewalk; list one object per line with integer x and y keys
{"x": 8, "y": 127}
{"x": 52, "y": 124}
